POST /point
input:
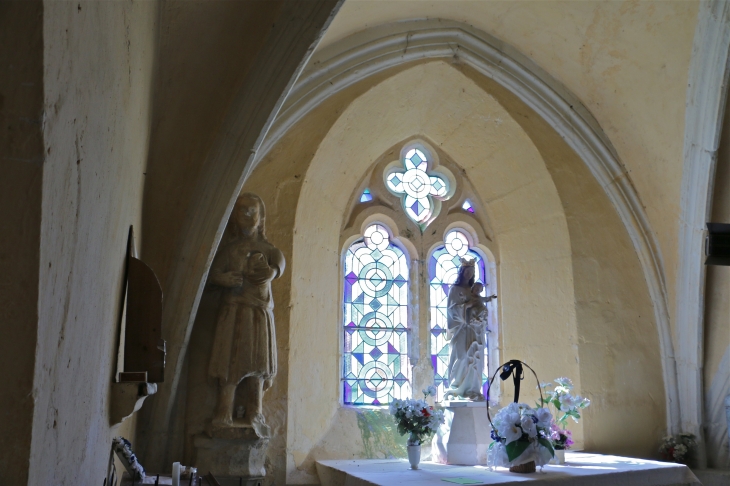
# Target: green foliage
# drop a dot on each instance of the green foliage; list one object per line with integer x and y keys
{"x": 516, "y": 448}
{"x": 546, "y": 443}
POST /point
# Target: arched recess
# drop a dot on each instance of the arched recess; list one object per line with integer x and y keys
{"x": 706, "y": 98}
{"x": 561, "y": 289}
{"x": 346, "y": 69}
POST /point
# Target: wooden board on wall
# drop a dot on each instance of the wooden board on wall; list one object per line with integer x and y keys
{"x": 143, "y": 344}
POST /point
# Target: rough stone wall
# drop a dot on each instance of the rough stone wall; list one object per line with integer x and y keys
{"x": 535, "y": 281}
{"x": 618, "y": 346}
{"x": 98, "y": 65}
{"x": 21, "y": 161}
{"x": 590, "y": 258}
{"x": 627, "y": 62}
{"x": 206, "y": 50}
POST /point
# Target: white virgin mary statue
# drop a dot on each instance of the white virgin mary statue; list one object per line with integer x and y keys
{"x": 467, "y": 325}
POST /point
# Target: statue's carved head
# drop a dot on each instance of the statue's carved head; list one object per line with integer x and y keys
{"x": 249, "y": 214}
{"x": 465, "y": 275}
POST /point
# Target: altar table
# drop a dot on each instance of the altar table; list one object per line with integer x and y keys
{"x": 580, "y": 468}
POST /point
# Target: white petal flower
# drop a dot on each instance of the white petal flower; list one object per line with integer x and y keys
{"x": 512, "y": 433}
{"x": 544, "y": 417}
{"x": 528, "y": 426}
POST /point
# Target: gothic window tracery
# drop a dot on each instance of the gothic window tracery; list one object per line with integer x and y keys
{"x": 379, "y": 349}
{"x": 419, "y": 190}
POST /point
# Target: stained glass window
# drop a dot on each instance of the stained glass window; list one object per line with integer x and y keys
{"x": 375, "y": 332}
{"x": 443, "y": 269}
{"x": 366, "y": 196}
{"x": 467, "y": 206}
{"x": 416, "y": 187}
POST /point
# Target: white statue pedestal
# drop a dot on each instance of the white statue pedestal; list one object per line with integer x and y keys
{"x": 465, "y": 437}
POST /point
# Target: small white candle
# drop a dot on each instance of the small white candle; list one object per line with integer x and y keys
{"x": 175, "y": 474}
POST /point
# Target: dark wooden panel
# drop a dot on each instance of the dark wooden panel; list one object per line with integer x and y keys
{"x": 143, "y": 346}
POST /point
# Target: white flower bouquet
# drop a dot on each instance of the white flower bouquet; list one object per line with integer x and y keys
{"x": 678, "y": 448}
{"x": 417, "y": 417}
{"x": 521, "y": 435}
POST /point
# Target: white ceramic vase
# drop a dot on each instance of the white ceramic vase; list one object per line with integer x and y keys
{"x": 560, "y": 457}
{"x": 414, "y": 455}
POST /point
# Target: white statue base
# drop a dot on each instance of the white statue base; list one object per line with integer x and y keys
{"x": 465, "y": 437}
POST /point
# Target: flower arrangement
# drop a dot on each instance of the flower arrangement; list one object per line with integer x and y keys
{"x": 561, "y": 398}
{"x": 561, "y": 439}
{"x": 566, "y": 405}
{"x": 123, "y": 448}
{"x": 521, "y": 434}
{"x": 416, "y": 417}
{"x": 678, "y": 448}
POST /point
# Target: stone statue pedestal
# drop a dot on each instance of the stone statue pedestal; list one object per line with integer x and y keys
{"x": 465, "y": 437}
{"x": 235, "y": 452}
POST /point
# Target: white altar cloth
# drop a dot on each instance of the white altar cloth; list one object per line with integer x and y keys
{"x": 579, "y": 469}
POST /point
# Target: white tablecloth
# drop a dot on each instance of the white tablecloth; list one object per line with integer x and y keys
{"x": 580, "y": 469}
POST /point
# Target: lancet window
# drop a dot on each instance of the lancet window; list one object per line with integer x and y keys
{"x": 376, "y": 369}
{"x": 443, "y": 269}
{"x": 382, "y": 237}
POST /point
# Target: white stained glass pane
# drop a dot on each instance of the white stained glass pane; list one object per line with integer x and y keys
{"x": 438, "y": 186}
{"x": 443, "y": 269}
{"x": 395, "y": 182}
{"x": 376, "y": 369}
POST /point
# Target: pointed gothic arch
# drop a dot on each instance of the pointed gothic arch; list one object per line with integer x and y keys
{"x": 378, "y": 52}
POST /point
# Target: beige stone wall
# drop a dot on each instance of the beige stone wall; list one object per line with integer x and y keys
{"x": 97, "y": 65}
{"x": 572, "y": 298}
{"x": 627, "y": 62}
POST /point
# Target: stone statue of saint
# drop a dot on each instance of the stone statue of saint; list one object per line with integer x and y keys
{"x": 466, "y": 331}
{"x": 244, "y": 347}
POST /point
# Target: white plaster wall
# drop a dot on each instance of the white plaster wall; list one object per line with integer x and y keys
{"x": 535, "y": 281}
{"x": 98, "y": 60}
{"x": 627, "y": 61}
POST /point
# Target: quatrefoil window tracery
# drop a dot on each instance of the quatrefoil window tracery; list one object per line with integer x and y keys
{"x": 420, "y": 191}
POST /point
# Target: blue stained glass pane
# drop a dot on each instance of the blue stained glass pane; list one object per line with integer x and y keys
{"x": 366, "y": 196}
{"x": 376, "y": 368}
{"x": 443, "y": 269}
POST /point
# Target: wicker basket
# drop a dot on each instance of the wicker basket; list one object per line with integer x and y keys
{"x": 514, "y": 368}
{"x": 528, "y": 467}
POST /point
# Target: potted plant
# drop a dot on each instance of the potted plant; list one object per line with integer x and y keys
{"x": 418, "y": 419}
{"x": 565, "y": 405}
{"x": 678, "y": 448}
